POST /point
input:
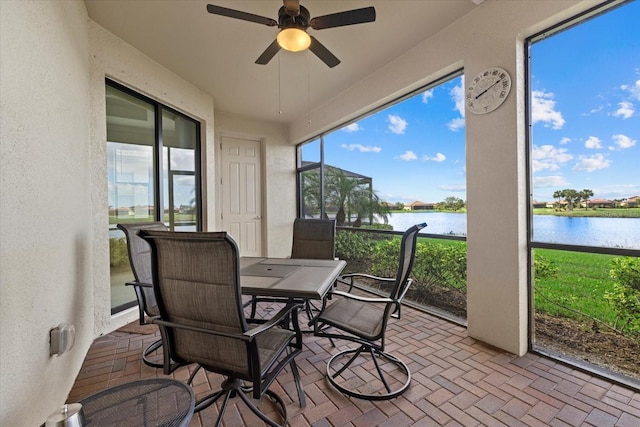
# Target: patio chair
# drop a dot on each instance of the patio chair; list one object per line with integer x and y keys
{"x": 363, "y": 320}
{"x": 140, "y": 260}
{"x": 197, "y": 283}
{"x": 312, "y": 239}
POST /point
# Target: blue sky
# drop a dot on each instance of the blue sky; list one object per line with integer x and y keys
{"x": 585, "y": 85}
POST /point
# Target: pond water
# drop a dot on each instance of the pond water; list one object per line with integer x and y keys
{"x": 607, "y": 232}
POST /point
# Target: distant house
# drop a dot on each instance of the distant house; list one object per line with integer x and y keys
{"x": 631, "y": 202}
{"x": 601, "y": 203}
{"x": 557, "y": 204}
{"x": 420, "y": 206}
{"x": 537, "y": 204}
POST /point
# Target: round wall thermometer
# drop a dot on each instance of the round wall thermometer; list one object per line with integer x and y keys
{"x": 488, "y": 90}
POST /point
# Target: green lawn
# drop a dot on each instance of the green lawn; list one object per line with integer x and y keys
{"x": 578, "y": 286}
{"x": 597, "y": 212}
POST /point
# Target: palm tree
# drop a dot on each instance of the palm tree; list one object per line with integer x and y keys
{"x": 365, "y": 202}
{"x": 557, "y": 195}
{"x": 352, "y": 195}
{"x": 311, "y": 191}
{"x": 585, "y": 195}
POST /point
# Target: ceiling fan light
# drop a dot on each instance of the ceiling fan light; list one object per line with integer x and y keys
{"x": 294, "y": 39}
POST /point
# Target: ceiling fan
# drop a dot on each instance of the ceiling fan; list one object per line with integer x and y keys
{"x": 293, "y": 21}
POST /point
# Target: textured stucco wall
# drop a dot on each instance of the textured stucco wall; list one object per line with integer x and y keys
{"x": 46, "y": 229}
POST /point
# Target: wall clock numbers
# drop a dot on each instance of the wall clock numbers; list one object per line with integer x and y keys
{"x": 487, "y": 90}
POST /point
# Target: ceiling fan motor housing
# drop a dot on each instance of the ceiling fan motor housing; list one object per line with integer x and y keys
{"x": 286, "y": 19}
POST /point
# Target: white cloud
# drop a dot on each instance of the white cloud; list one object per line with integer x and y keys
{"x": 634, "y": 90}
{"x": 353, "y": 127}
{"x": 549, "y": 157}
{"x": 397, "y": 124}
{"x": 565, "y": 140}
{"x": 456, "y": 124}
{"x": 457, "y": 94}
{"x": 362, "y": 148}
{"x": 617, "y": 191}
{"x": 439, "y": 157}
{"x": 408, "y": 155}
{"x": 590, "y": 164}
{"x": 593, "y": 142}
{"x": 623, "y": 141}
{"x": 454, "y": 188}
{"x": 549, "y": 181}
{"x": 625, "y": 111}
{"x": 427, "y": 95}
{"x": 543, "y": 107}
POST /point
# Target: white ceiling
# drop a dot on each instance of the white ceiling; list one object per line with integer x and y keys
{"x": 217, "y": 53}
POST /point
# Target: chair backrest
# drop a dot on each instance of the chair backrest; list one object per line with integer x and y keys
{"x": 407, "y": 256}
{"x": 140, "y": 260}
{"x": 314, "y": 238}
{"x": 197, "y": 283}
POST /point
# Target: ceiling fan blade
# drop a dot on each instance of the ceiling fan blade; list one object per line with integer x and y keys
{"x": 269, "y": 53}
{"x": 323, "y": 53}
{"x": 237, "y": 14}
{"x": 340, "y": 19}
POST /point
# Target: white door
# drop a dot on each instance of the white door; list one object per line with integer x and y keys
{"x": 241, "y": 193}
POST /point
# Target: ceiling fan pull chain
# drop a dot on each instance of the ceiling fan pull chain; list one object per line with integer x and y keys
{"x": 308, "y": 89}
{"x": 279, "y": 88}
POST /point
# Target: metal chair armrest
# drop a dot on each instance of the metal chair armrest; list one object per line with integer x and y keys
{"x": 247, "y": 336}
{"x": 348, "y": 279}
{"x": 165, "y": 323}
{"x": 277, "y": 319}
{"x": 381, "y": 300}
{"x": 142, "y": 285}
{"x": 367, "y": 276}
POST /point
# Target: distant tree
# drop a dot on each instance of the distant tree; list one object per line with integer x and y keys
{"x": 571, "y": 197}
{"x": 585, "y": 195}
{"x": 451, "y": 203}
{"x": 351, "y": 195}
{"x": 399, "y": 206}
{"x": 311, "y": 192}
{"x": 558, "y": 196}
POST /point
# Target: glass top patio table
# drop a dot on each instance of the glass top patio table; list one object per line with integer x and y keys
{"x": 288, "y": 277}
{"x": 150, "y": 402}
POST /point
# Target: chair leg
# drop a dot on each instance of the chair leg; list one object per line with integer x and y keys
{"x": 282, "y": 408}
{"x": 254, "y": 307}
{"x": 227, "y": 396}
{"x": 211, "y": 399}
{"x": 149, "y": 350}
{"x": 296, "y": 378}
{"x": 193, "y": 374}
{"x": 375, "y": 355}
{"x": 232, "y": 387}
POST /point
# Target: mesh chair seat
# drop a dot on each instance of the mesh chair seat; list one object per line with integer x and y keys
{"x": 356, "y": 317}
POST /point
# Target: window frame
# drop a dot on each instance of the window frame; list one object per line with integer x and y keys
{"x": 158, "y": 164}
{"x": 321, "y": 164}
{"x": 532, "y": 244}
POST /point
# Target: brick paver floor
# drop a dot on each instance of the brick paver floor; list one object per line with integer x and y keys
{"x": 456, "y": 381}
